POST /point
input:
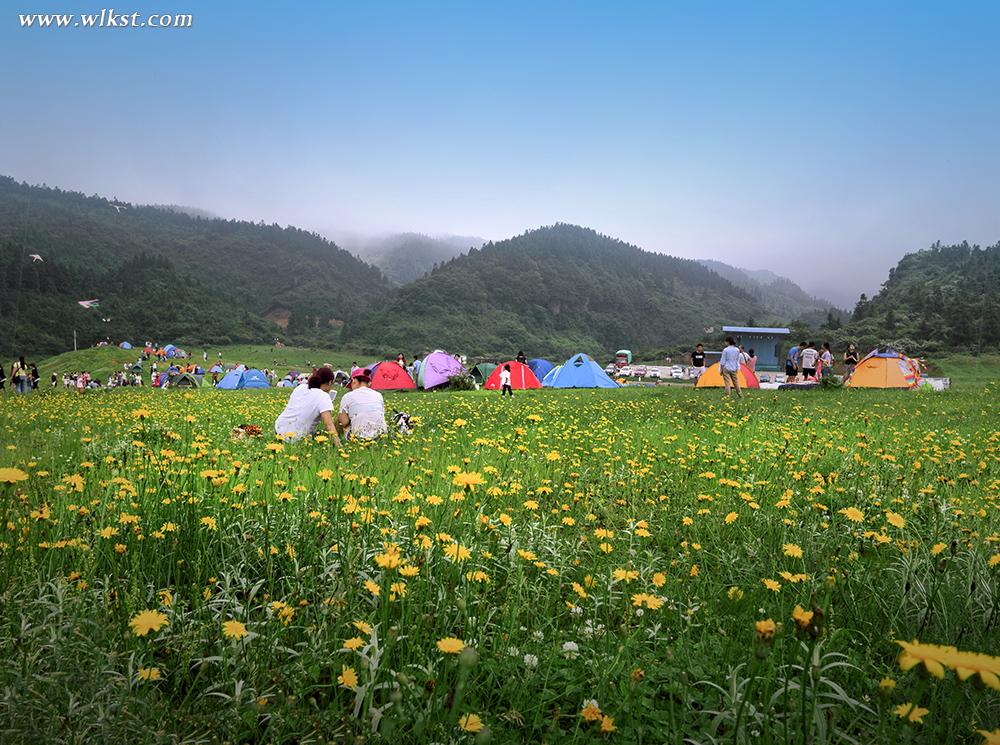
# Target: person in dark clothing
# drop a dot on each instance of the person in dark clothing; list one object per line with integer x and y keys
{"x": 3, "y": 379}
{"x": 521, "y": 358}
{"x": 698, "y": 361}
{"x": 33, "y": 376}
{"x": 851, "y": 359}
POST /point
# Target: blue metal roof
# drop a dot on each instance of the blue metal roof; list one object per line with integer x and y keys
{"x": 754, "y": 330}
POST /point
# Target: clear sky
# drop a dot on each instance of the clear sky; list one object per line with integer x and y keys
{"x": 820, "y": 140}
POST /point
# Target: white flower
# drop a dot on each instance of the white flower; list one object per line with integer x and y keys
{"x": 539, "y": 636}
{"x": 576, "y": 610}
{"x": 513, "y": 651}
{"x": 570, "y": 649}
{"x": 530, "y": 661}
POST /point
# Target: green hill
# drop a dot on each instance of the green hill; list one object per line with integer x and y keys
{"x": 553, "y": 291}
{"x": 164, "y": 275}
{"x": 941, "y": 298}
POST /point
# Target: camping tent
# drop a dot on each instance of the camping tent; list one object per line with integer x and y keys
{"x": 436, "y": 368}
{"x": 242, "y": 378}
{"x": 125, "y": 345}
{"x": 184, "y": 380}
{"x": 885, "y": 368}
{"x": 551, "y": 376}
{"x": 540, "y": 367}
{"x": 137, "y": 367}
{"x": 390, "y": 376}
{"x": 216, "y": 368}
{"x": 521, "y": 377}
{"x": 481, "y": 372}
{"x": 580, "y": 371}
{"x": 170, "y": 350}
{"x": 712, "y": 378}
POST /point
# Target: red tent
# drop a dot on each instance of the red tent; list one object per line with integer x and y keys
{"x": 389, "y": 376}
{"x": 521, "y": 377}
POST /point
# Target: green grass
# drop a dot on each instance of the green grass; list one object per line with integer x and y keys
{"x": 611, "y": 546}
{"x": 100, "y": 362}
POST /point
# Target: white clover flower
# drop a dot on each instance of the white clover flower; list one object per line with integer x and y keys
{"x": 570, "y": 649}
{"x": 530, "y": 661}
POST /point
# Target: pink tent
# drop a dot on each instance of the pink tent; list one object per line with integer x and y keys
{"x": 436, "y": 368}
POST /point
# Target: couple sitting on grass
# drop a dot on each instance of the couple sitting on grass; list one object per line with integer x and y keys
{"x": 361, "y": 415}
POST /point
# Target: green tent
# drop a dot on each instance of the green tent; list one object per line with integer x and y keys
{"x": 482, "y": 371}
{"x": 184, "y": 380}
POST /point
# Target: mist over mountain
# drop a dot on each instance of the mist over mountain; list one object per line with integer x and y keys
{"x": 779, "y": 295}
{"x": 404, "y": 257}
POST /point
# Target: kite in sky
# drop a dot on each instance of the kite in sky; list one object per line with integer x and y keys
{"x": 89, "y": 303}
{"x": 35, "y": 257}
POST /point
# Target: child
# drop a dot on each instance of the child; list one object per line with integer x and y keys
{"x": 505, "y": 382}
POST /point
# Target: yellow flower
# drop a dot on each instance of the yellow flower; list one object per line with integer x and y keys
{"x": 659, "y": 579}
{"x": 607, "y": 724}
{"x": 765, "y": 629}
{"x": 911, "y": 712}
{"x": 348, "y": 678}
{"x": 468, "y": 480}
{"x": 148, "y": 620}
{"x": 470, "y": 723}
{"x": 772, "y": 585}
{"x": 591, "y": 712}
{"x": 990, "y": 738}
{"x": 553, "y": 455}
{"x": 792, "y": 550}
{"x": 364, "y": 628}
{"x": 210, "y": 523}
{"x": 895, "y": 519}
{"x": 938, "y": 548}
{"x": 234, "y": 630}
{"x": 645, "y": 599}
{"x": 355, "y": 642}
{"x": 853, "y": 514}
{"x": 12, "y": 475}
{"x": 450, "y": 645}
{"x": 457, "y": 552}
{"x": 149, "y": 673}
{"x": 731, "y": 518}
{"x": 802, "y": 617}
{"x": 887, "y": 684}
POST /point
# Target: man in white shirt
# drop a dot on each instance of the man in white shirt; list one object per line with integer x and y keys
{"x": 808, "y": 358}
{"x": 362, "y": 410}
{"x": 729, "y": 366}
{"x": 309, "y": 404}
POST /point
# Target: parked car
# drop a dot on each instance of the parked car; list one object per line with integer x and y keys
{"x": 654, "y": 372}
{"x": 611, "y": 369}
{"x": 639, "y": 370}
{"x": 677, "y": 372}
{"x": 625, "y": 372}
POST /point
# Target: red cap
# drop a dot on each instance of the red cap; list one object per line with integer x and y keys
{"x": 362, "y": 374}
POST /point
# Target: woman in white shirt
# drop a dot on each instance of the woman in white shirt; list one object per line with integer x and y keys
{"x": 309, "y": 404}
{"x": 362, "y": 410}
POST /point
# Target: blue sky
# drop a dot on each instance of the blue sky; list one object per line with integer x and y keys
{"x": 819, "y": 140}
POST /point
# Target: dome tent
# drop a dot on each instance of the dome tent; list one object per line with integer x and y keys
{"x": 580, "y": 371}
{"x": 242, "y": 378}
{"x": 540, "y": 367}
{"x": 551, "y": 376}
{"x": 390, "y": 376}
{"x": 125, "y": 345}
{"x": 885, "y": 368}
{"x": 436, "y": 368}
{"x": 712, "y": 378}
{"x": 481, "y": 372}
{"x": 521, "y": 377}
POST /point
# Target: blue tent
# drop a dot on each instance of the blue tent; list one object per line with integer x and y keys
{"x": 231, "y": 380}
{"x": 579, "y": 371}
{"x": 254, "y": 379}
{"x": 550, "y": 376}
{"x": 540, "y": 367}
{"x": 170, "y": 350}
{"x": 125, "y": 345}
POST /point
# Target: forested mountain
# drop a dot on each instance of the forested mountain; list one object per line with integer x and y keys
{"x": 164, "y": 275}
{"x": 404, "y": 257}
{"x": 779, "y": 295}
{"x": 944, "y": 297}
{"x": 554, "y": 291}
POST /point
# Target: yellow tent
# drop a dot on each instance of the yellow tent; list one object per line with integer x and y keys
{"x": 712, "y": 378}
{"x": 885, "y": 369}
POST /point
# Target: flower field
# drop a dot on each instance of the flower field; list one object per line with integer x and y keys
{"x": 566, "y": 566}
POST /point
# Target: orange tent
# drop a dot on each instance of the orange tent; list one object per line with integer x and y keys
{"x": 521, "y": 377}
{"x": 885, "y": 369}
{"x": 712, "y": 378}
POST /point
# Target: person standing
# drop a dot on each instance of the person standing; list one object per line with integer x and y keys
{"x": 401, "y": 360}
{"x": 33, "y": 376}
{"x": 851, "y": 359}
{"x": 792, "y": 360}
{"x": 505, "y": 382}
{"x": 808, "y": 358}
{"x": 521, "y": 358}
{"x": 729, "y": 365}
{"x": 752, "y": 361}
{"x": 19, "y": 376}
{"x": 698, "y": 361}
{"x": 826, "y": 360}
{"x": 3, "y": 378}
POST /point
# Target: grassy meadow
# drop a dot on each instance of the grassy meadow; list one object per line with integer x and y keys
{"x": 641, "y": 565}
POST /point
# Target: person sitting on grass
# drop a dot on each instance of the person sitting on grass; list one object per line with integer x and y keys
{"x": 362, "y": 410}
{"x": 309, "y": 404}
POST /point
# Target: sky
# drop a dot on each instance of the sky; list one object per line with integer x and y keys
{"x": 819, "y": 140}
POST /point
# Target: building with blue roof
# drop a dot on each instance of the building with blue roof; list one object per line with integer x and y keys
{"x": 767, "y": 343}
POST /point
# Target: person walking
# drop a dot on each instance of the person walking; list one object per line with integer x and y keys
{"x": 505, "y": 382}
{"x": 729, "y": 365}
